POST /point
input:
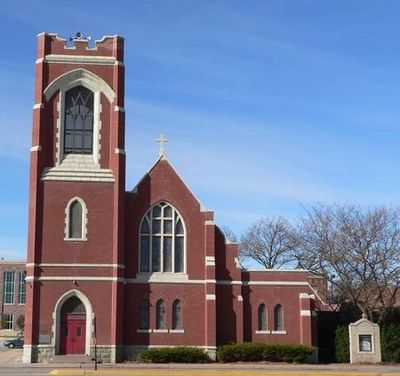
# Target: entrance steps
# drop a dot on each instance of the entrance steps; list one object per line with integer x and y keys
{"x": 72, "y": 359}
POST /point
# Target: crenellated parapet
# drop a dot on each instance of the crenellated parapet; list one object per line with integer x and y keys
{"x": 53, "y": 44}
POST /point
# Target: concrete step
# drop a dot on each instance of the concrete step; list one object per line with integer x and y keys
{"x": 74, "y": 359}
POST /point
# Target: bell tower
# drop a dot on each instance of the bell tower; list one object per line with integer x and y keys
{"x": 76, "y": 199}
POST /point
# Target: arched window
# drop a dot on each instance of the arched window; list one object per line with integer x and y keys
{"x": 278, "y": 317}
{"x": 262, "y": 317}
{"x": 176, "y": 315}
{"x": 76, "y": 220}
{"x": 162, "y": 239}
{"x": 78, "y": 121}
{"x": 144, "y": 314}
{"x": 160, "y": 314}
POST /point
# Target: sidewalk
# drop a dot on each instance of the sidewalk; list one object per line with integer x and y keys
{"x": 12, "y": 358}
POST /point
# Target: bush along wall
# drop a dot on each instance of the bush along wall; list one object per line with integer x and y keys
{"x": 257, "y": 352}
{"x": 175, "y": 355}
{"x": 390, "y": 343}
{"x": 342, "y": 346}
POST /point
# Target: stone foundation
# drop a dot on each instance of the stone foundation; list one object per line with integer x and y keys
{"x": 39, "y": 354}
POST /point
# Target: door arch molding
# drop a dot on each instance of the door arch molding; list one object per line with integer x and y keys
{"x": 89, "y": 319}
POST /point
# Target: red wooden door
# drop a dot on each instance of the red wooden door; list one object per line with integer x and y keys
{"x": 72, "y": 334}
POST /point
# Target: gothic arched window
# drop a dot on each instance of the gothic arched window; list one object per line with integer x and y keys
{"x": 160, "y": 314}
{"x": 162, "y": 240}
{"x": 176, "y": 315}
{"x": 78, "y": 121}
{"x": 144, "y": 314}
{"x": 262, "y": 317}
{"x": 76, "y": 220}
{"x": 278, "y": 318}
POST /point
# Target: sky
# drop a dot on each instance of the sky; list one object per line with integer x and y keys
{"x": 270, "y": 106}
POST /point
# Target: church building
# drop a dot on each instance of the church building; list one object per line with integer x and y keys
{"x": 137, "y": 269}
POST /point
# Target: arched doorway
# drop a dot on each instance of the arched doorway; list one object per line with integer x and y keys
{"x": 73, "y": 327}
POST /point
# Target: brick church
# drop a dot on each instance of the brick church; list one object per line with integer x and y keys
{"x": 128, "y": 270}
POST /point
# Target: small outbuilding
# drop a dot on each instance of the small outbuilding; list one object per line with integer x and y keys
{"x": 365, "y": 342}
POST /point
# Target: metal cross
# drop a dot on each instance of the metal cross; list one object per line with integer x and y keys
{"x": 162, "y": 141}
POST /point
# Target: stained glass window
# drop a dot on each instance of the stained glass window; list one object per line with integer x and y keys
{"x": 262, "y": 317}
{"x": 160, "y": 315}
{"x": 162, "y": 240}
{"x": 75, "y": 220}
{"x": 176, "y": 315}
{"x": 78, "y": 121}
{"x": 278, "y": 318}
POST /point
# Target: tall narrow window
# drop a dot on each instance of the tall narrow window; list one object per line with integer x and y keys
{"x": 21, "y": 288}
{"x": 144, "y": 314}
{"x": 278, "y": 317}
{"x": 75, "y": 220}
{"x": 176, "y": 315}
{"x": 162, "y": 239}
{"x": 160, "y": 314}
{"x": 78, "y": 121}
{"x": 262, "y": 317}
{"x": 9, "y": 285}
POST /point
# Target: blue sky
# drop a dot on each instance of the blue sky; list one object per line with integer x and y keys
{"x": 269, "y": 105}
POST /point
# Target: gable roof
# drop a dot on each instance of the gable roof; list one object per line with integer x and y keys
{"x": 159, "y": 160}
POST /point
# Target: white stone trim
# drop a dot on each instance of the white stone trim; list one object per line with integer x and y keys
{"x": 240, "y": 298}
{"x": 229, "y": 283}
{"x": 210, "y": 261}
{"x": 277, "y": 270}
{"x": 27, "y": 354}
{"x": 144, "y": 330}
{"x": 119, "y": 109}
{"x": 75, "y": 278}
{"x": 263, "y": 332}
{"x": 177, "y": 331}
{"x": 50, "y": 265}
{"x": 279, "y": 332}
{"x": 307, "y": 313}
{"x": 38, "y": 105}
{"x": 209, "y": 223}
{"x": 304, "y": 295}
{"x": 119, "y": 151}
{"x": 159, "y": 278}
{"x": 275, "y": 283}
{"x": 57, "y": 319}
{"x": 79, "y": 174}
{"x": 36, "y": 148}
{"x": 78, "y": 77}
{"x": 79, "y": 59}
{"x": 210, "y": 297}
{"x": 160, "y": 331}
{"x": 84, "y": 220}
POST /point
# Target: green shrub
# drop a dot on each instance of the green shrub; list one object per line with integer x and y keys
{"x": 175, "y": 355}
{"x": 390, "y": 343}
{"x": 342, "y": 347}
{"x": 256, "y": 352}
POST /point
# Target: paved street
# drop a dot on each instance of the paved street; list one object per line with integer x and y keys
{"x": 11, "y": 365}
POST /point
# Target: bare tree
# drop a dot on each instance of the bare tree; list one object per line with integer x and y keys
{"x": 270, "y": 242}
{"x": 359, "y": 252}
{"x": 229, "y": 234}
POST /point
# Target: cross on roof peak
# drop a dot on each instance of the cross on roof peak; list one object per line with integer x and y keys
{"x": 162, "y": 140}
